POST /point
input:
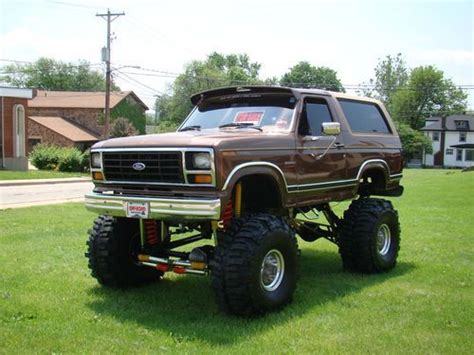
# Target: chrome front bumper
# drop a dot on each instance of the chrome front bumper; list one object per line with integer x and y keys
{"x": 159, "y": 208}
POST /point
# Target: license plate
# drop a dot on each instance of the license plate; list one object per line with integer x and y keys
{"x": 137, "y": 209}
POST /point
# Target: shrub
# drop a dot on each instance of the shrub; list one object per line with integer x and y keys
{"x": 70, "y": 160}
{"x": 413, "y": 141}
{"x": 45, "y": 157}
{"x": 48, "y": 157}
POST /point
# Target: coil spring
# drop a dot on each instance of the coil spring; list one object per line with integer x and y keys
{"x": 151, "y": 231}
{"x": 228, "y": 213}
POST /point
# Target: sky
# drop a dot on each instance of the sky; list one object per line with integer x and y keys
{"x": 163, "y": 35}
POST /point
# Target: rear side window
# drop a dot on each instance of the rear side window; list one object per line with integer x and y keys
{"x": 364, "y": 117}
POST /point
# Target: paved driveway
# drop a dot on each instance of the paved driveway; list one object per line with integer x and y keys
{"x": 42, "y": 194}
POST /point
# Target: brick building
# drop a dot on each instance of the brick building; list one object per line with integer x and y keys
{"x": 68, "y": 118}
{"x": 13, "y": 127}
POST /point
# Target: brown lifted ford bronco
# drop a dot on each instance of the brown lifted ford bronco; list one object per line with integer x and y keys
{"x": 244, "y": 170}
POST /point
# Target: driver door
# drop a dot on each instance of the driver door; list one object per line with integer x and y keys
{"x": 320, "y": 170}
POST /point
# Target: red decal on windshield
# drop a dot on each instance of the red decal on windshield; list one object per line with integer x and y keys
{"x": 249, "y": 117}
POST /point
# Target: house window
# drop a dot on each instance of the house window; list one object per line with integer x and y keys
{"x": 32, "y": 142}
{"x": 449, "y": 151}
{"x": 19, "y": 131}
{"x": 462, "y": 125}
{"x": 469, "y": 155}
{"x": 435, "y": 136}
{"x": 462, "y": 136}
{"x": 459, "y": 154}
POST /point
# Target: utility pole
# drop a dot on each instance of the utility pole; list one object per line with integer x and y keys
{"x": 109, "y": 17}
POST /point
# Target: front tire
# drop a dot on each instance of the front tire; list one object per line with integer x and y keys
{"x": 369, "y": 237}
{"x": 113, "y": 246}
{"x": 255, "y": 269}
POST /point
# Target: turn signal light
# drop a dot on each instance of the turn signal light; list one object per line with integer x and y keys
{"x": 200, "y": 179}
{"x": 97, "y": 175}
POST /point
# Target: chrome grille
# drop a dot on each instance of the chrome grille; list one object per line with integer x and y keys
{"x": 160, "y": 167}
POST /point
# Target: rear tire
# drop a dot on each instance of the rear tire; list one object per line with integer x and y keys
{"x": 255, "y": 266}
{"x": 369, "y": 237}
{"x": 112, "y": 249}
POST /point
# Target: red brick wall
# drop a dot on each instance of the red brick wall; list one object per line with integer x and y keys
{"x": 85, "y": 117}
{"x": 9, "y": 103}
{"x": 47, "y": 136}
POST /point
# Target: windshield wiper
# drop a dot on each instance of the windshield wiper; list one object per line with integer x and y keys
{"x": 241, "y": 125}
{"x": 190, "y": 128}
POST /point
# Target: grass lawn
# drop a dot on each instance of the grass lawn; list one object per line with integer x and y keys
{"x": 36, "y": 174}
{"x": 50, "y": 304}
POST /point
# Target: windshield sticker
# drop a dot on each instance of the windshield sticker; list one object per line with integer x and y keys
{"x": 249, "y": 117}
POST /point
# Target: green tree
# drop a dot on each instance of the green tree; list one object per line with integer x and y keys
{"x": 216, "y": 71}
{"x": 391, "y": 73}
{"x": 133, "y": 112}
{"x": 50, "y": 74}
{"x": 306, "y": 75}
{"x": 121, "y": 127}
{"x": 413, "y": 141}
{"x": 427, "y": 93}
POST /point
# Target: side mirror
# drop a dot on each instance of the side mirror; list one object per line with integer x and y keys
{"x": 331, "y": 128}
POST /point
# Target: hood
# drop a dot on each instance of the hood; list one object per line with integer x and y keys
{"x": 216, "y": 138}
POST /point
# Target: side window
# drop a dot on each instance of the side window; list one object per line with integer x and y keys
{"x": 316, "y": 111}
{"x": 364, "y": 117}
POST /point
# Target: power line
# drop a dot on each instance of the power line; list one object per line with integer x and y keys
{"x": 153, "y": 31}
{"x": 225, "y": 80}
{"x": 138, "y": 82}
{"x": 14, "y": 61}
{"x": 63, "y": 3}
{"x": 169, "y": 74}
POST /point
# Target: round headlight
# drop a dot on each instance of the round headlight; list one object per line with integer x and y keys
{"x": 201, "y": 161}
{"x": 95, "y": 160}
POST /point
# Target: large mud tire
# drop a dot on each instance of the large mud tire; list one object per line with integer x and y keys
{"x": 255, "y": 266}
{"x": 369, "y": 237}
{"x": 112, "y": 248}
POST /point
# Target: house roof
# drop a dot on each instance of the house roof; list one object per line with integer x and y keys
{"x": 16, "y": 92}
{"x": 65, "y": 128}
{"x": 435, "y": 124}
{"x": 80, "y": 99}
{"x": 463, "y": 145}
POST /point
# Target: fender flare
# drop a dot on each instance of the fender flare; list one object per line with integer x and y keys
{"x": 374, "y": 164}
{"x": 258, "y": 168}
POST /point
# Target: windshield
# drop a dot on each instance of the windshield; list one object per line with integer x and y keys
{"x": 268, "y": 113}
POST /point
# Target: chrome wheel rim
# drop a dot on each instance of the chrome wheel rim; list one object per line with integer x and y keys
{"x": 384, "y": 239}
{"x": 272, "y": 270}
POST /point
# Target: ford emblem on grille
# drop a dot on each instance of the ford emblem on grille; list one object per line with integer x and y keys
{"x": 138, "y": 166}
